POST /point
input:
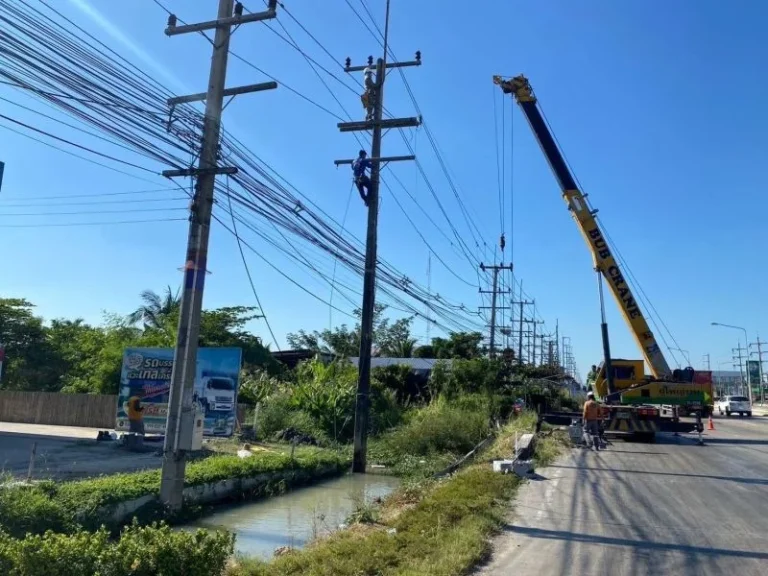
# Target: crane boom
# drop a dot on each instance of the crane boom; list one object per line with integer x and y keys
{"x": 604, "y": 261}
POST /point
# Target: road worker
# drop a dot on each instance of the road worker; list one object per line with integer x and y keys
{"x": 135, "y": 415}
{"x": 362, "y": 181}
{"x": 591, "y": 417}
{"x": 368, "y": 97}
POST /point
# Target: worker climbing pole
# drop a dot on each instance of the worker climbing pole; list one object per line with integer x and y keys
{"x": 368, "y": 187}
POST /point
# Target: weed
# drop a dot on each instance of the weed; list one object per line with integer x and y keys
{"x": 549, "y": 447}
{"x": 429, "y": 527}
{"x": 363, "y": 512}
{"x": 89, "y": 503}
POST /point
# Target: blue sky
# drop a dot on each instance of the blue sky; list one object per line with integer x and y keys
{"x": 659, "y": 107}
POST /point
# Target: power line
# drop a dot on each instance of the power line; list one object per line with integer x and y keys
{"x": 90, "y": 203}
{"x": 74, "y": 154}
{"x": 80, "y": 213}
{"x": 96, "y": 195}
{"x": 87, "y": 73}
{"x": 105, "y": 223}
{"x": 248, "y": 271}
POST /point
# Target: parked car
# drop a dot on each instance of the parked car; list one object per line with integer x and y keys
{"x": 734, "y": 405}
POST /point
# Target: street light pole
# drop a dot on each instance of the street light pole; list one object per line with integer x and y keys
{"x": 746, "y": 345}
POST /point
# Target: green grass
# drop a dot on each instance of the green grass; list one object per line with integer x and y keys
{"x": 440, "y": 527}
{"x": 63, "y": 506}
{"x": 446, "y": 532}
{"x": 549, "y": 447}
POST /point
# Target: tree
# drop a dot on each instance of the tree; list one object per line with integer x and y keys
{"x": 425, "y": 351}
{"x": 100, "y": 356}
{"x": 464, "y": 345}
{"x": 395, "y": 341}
{"x": 155, "y": 309}
{"x": 30, "y": 360}
{"x": 344, "y": 342}
{"x": 401, "y": 348}
{"x": 225, "y": 327}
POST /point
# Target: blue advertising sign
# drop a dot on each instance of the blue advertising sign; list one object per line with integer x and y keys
{"x": 145, "y": 382}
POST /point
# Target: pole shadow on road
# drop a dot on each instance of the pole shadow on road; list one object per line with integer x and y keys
{"x": 713, "y": 440}
{"x": 741, "y": 480}
{"x": 612, "y": 451}
{"x": 646, "y": 544}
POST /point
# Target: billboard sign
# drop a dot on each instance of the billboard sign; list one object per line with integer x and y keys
{"x": 753, "y": 368}
{"x": 145, "y": 381}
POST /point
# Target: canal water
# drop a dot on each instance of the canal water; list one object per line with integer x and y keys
{"x": 295, "y": 518}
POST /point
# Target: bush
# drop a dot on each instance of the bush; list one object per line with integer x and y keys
{"x": 408, "y": 387}
{"x": 473, "y": 376}
{"x": 31, "y": 509}
{"x": 327, "y": 394}
{"x": 440, "y": 427}
{"x": 385, "y": 412}
{"x": 140, "y": 551}
{"x": 274, "y": 415}
{"x": 256, "y": 386}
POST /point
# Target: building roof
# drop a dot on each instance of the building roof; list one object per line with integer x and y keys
{"x": 292, "y": 357}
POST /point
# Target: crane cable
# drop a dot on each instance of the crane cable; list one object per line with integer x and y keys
{"x": 650, "y": 308}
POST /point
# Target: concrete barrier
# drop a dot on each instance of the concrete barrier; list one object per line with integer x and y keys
{"x": 221, "y": 491}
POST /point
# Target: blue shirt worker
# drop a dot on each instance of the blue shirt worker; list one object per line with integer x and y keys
{"x": 362, "y": 181}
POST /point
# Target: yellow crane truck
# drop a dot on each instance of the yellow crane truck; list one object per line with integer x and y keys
{"x": 635, "y": 403}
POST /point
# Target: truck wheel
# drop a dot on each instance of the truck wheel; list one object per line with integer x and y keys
{"x": 728, "y": 413}
{"x": 749, "y": 414}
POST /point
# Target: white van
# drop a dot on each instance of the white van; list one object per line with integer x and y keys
{"x": 734, "y": 405}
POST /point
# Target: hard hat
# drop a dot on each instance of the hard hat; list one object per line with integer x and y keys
{"x": 368, "y": 71}
{"x": 590, "y": 394}
{"x": 363, "y": 153}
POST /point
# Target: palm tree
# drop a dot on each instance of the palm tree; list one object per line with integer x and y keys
{"x": 155, "y": 308}
{"x": 403, "y": 348}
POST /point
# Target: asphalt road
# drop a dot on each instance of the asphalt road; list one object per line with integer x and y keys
{"x": 64, "y": 453}
{"x": 667, "y": 508}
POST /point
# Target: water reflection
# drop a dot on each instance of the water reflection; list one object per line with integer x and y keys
{"x": 296, "y": 517}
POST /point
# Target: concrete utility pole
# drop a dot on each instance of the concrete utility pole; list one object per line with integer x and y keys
{"x": 377, "y": 125}
{"x": 178, "y": 434}
{"x": 542, "y": 360}
{"x": 744, "y": 381}
{"x": 522, "y": 320}
{"x": 706, "y": 359}
{"x": 759, "y": 345}
{"x": 569, "y": 363}
{"x": 493, "y": 308}
{"x": 533, "y": 350}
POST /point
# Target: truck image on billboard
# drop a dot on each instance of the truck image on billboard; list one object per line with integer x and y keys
{"x": 145, "y": 379}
